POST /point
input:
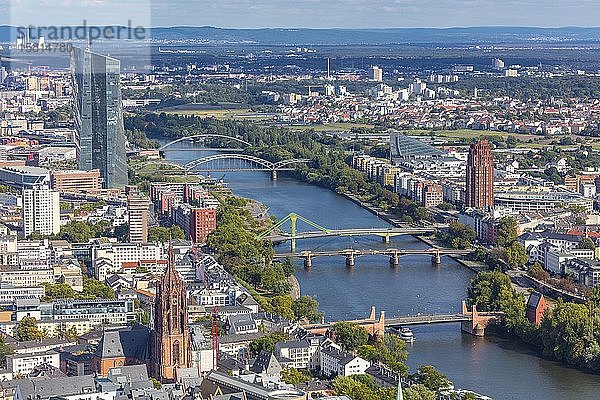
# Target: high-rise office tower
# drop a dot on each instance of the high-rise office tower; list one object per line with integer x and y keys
{"x": 137, "y": 208}
{"x": 100, "y": 135}
{"x": 41, "y": 211}
{"x": 480, "y": 176}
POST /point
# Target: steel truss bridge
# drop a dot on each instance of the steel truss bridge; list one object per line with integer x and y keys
{"x": 394, "y": 254}
{"x": 230, "y": 163}
{"x": 241, "y": 162}
{"x": 275, "y": 235}
{"x": 206, "y": 136}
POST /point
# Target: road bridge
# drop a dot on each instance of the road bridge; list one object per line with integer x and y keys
{"x": 227, "y": 162}
{"x": 472, "y": 321}
{"x": 427, "y": 319}
{"x": 241, "y": 162}
{"x": 394, "y": 254}
{"x": 275, "y": 234}
{"x": 385, "y": 233}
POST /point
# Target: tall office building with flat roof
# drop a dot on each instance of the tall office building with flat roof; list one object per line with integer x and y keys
{"x": 480, "y": 176}
{"x": 100, "y": 135}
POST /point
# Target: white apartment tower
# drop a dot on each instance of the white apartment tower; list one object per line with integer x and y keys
{"x": 376, "y": 74}
{"x": 137, "y": 208}
{"x": 41, "y": 211}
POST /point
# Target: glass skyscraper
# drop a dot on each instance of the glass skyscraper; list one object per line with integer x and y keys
{"x": 100, "y": 135}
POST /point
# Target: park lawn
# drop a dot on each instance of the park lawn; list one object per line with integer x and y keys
{"x": 472, "y": 133}
{"x": 217, "y": 113}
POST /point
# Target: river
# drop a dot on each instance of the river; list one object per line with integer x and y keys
{"x": 496, "y": 367}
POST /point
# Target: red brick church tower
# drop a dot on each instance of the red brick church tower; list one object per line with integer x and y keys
{"x": 171, "y": 339}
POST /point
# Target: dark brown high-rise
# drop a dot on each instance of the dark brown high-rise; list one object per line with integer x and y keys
{"x": 480, "y": 176}
{"x": 171, "y": 345}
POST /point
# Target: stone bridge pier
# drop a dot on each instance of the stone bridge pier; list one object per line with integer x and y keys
{"x": 350, "y": 260}
{"x": 307, "y": 261}
{"x": 436, "y": 259}
{"x": 394, "y": 259}
{"x": 478, "y": 322}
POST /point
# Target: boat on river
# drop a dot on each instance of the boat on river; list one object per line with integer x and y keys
{"x": 404, "y": 333}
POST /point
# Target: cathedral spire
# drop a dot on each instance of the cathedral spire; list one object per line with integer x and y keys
{"x": 171, "y": 272}
{"x": 171, "y": 343}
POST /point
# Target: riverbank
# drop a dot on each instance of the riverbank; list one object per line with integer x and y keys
{"x": 380, "y": 213}
{"x": 295, "y": 293}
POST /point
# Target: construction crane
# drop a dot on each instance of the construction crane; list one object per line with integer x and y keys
{"x": 214, "y": 313}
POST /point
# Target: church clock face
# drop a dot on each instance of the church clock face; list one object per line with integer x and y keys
{"x": 174, "y": 301}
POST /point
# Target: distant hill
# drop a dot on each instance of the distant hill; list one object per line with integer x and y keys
{"x": 302, "y": 36}
{"x": 473, "y": 35}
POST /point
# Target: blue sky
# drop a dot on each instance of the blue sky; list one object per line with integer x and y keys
{"x": 304, "y": 13}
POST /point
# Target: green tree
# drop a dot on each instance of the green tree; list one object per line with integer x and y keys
{"x": 390, "y": 351}
{"x": 76, "y": 232}
{"x": 71, "y": 333}
{"x": 38, "y": 236}
{"x": 158, "y": 234}
{"x": 511, "y": 142}
{"x": 306, "y": 307}
{"x": 94, "y": 289}
{"x": 566, "y": 333}
{"x": 58, "y": 291}
{"x": 177, "y": 232}
{"x": 586, "y": 243}
{"x": 446, "y": 206}
{"x": 418, "y": 392}
{"x": 293, "y": 376}
{"x": 267, "y": 342}
{"x": 536, "y": 271}
{"x": 282, "y": 305}
{"x": 349, "y": 335}
{"x": 288, "y": 267}
{"x": 5, "y": 350}
{"x": 493, "y": 291}
{"x": 27, "y": 329}
{"x": 361, "y": 387}
{"x": 155, "y": 383}
{"x": 515, "y": 255}
{"x": 458, "y": 236}
{"x": 432, "y": 378}
{"x": 507, "y": 232}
